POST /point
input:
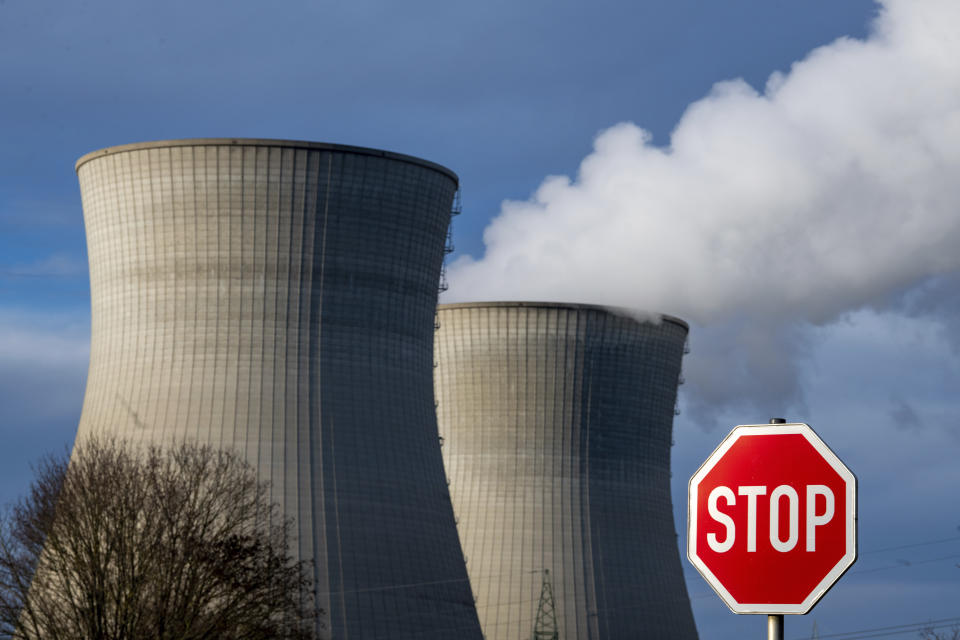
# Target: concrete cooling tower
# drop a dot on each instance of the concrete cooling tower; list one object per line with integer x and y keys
{"x": 278, "y": 298}
{"x": 556, "y": 423}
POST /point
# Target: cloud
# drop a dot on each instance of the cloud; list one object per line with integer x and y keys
{"x": 831, "y": 190}
{"x": 58, "y": 265}
{"x": 43, "y": 364}
{"x": 903, "y": 415}
{"x": 47, "y": 214}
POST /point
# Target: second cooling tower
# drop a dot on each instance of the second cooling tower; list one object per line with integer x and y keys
{"x": 556, "y": 423}
{"x": 278, "y": 298}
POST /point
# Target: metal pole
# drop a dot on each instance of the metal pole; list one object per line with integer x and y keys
{"x": 775, "y": 622}
{"x": 775, "y": 627}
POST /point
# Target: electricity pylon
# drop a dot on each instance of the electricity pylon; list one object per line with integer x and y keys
{"x": 545, "y": 626}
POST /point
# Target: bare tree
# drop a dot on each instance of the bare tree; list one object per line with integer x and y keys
{"x": 932, "y": 633}
{"x": 138, "y": 544}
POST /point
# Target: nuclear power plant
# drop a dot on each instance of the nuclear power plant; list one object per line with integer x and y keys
{"x": 556, "y": 422}
{"x": 278, "y": 298}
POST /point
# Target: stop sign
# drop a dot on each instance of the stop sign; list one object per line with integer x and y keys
{"x": 772, "y": 519}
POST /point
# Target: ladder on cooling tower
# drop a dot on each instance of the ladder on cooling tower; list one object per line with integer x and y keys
{"x": 545, "y": 626}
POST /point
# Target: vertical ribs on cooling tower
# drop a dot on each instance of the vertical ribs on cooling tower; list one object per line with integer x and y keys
{"x": 278, "y": 298}
{"x": 556, "y": 421}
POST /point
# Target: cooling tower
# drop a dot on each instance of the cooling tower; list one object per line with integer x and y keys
{"x": 278, "y": 298}
{"x": 556, "y": 423}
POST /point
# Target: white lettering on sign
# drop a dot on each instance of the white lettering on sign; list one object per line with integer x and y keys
{"x": 813, "y": 520}
{"x": 722, "y": 518}
{"x": 784, "y": 491}
{"x": 794, "y": 509}
{"x": 752, "y": 492}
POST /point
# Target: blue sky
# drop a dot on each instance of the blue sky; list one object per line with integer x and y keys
{"x": 803, "y": 224}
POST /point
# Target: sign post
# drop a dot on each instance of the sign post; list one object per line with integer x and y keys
{"x": 772, "y": 520}
{"x": 775, "y": 620}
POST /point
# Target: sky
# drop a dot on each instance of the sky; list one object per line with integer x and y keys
{"x": 779, "y": 174}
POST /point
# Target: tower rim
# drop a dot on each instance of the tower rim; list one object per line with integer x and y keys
{"x": 532, "y": 304}
{"x": 265, "y": 142}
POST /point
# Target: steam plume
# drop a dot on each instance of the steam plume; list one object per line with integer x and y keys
{"x": 835, "y": 188}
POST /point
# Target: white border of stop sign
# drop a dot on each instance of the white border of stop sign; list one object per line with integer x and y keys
{"x": 850, "y": 517}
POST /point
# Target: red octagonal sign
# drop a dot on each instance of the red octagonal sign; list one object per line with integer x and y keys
{"x": 772, "y": 519}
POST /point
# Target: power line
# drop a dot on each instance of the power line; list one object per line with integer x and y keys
{"x": 910, "y": 627}
{"x": 850, "y": 635}
{"x": 901, "y": 564}
{"x": 392, "y": 587}
{"x": 910, "y": 545}
{"x": 915, "y": 544}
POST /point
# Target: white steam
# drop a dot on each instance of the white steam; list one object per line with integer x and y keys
{"x": 836, "y": 188}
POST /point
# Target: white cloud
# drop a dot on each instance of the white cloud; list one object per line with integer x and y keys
{"x": 35, "y": 338}
{"x": 832, "y": 190}
{"x": 43, "y": 364}
{"x": 58, "y": 265}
